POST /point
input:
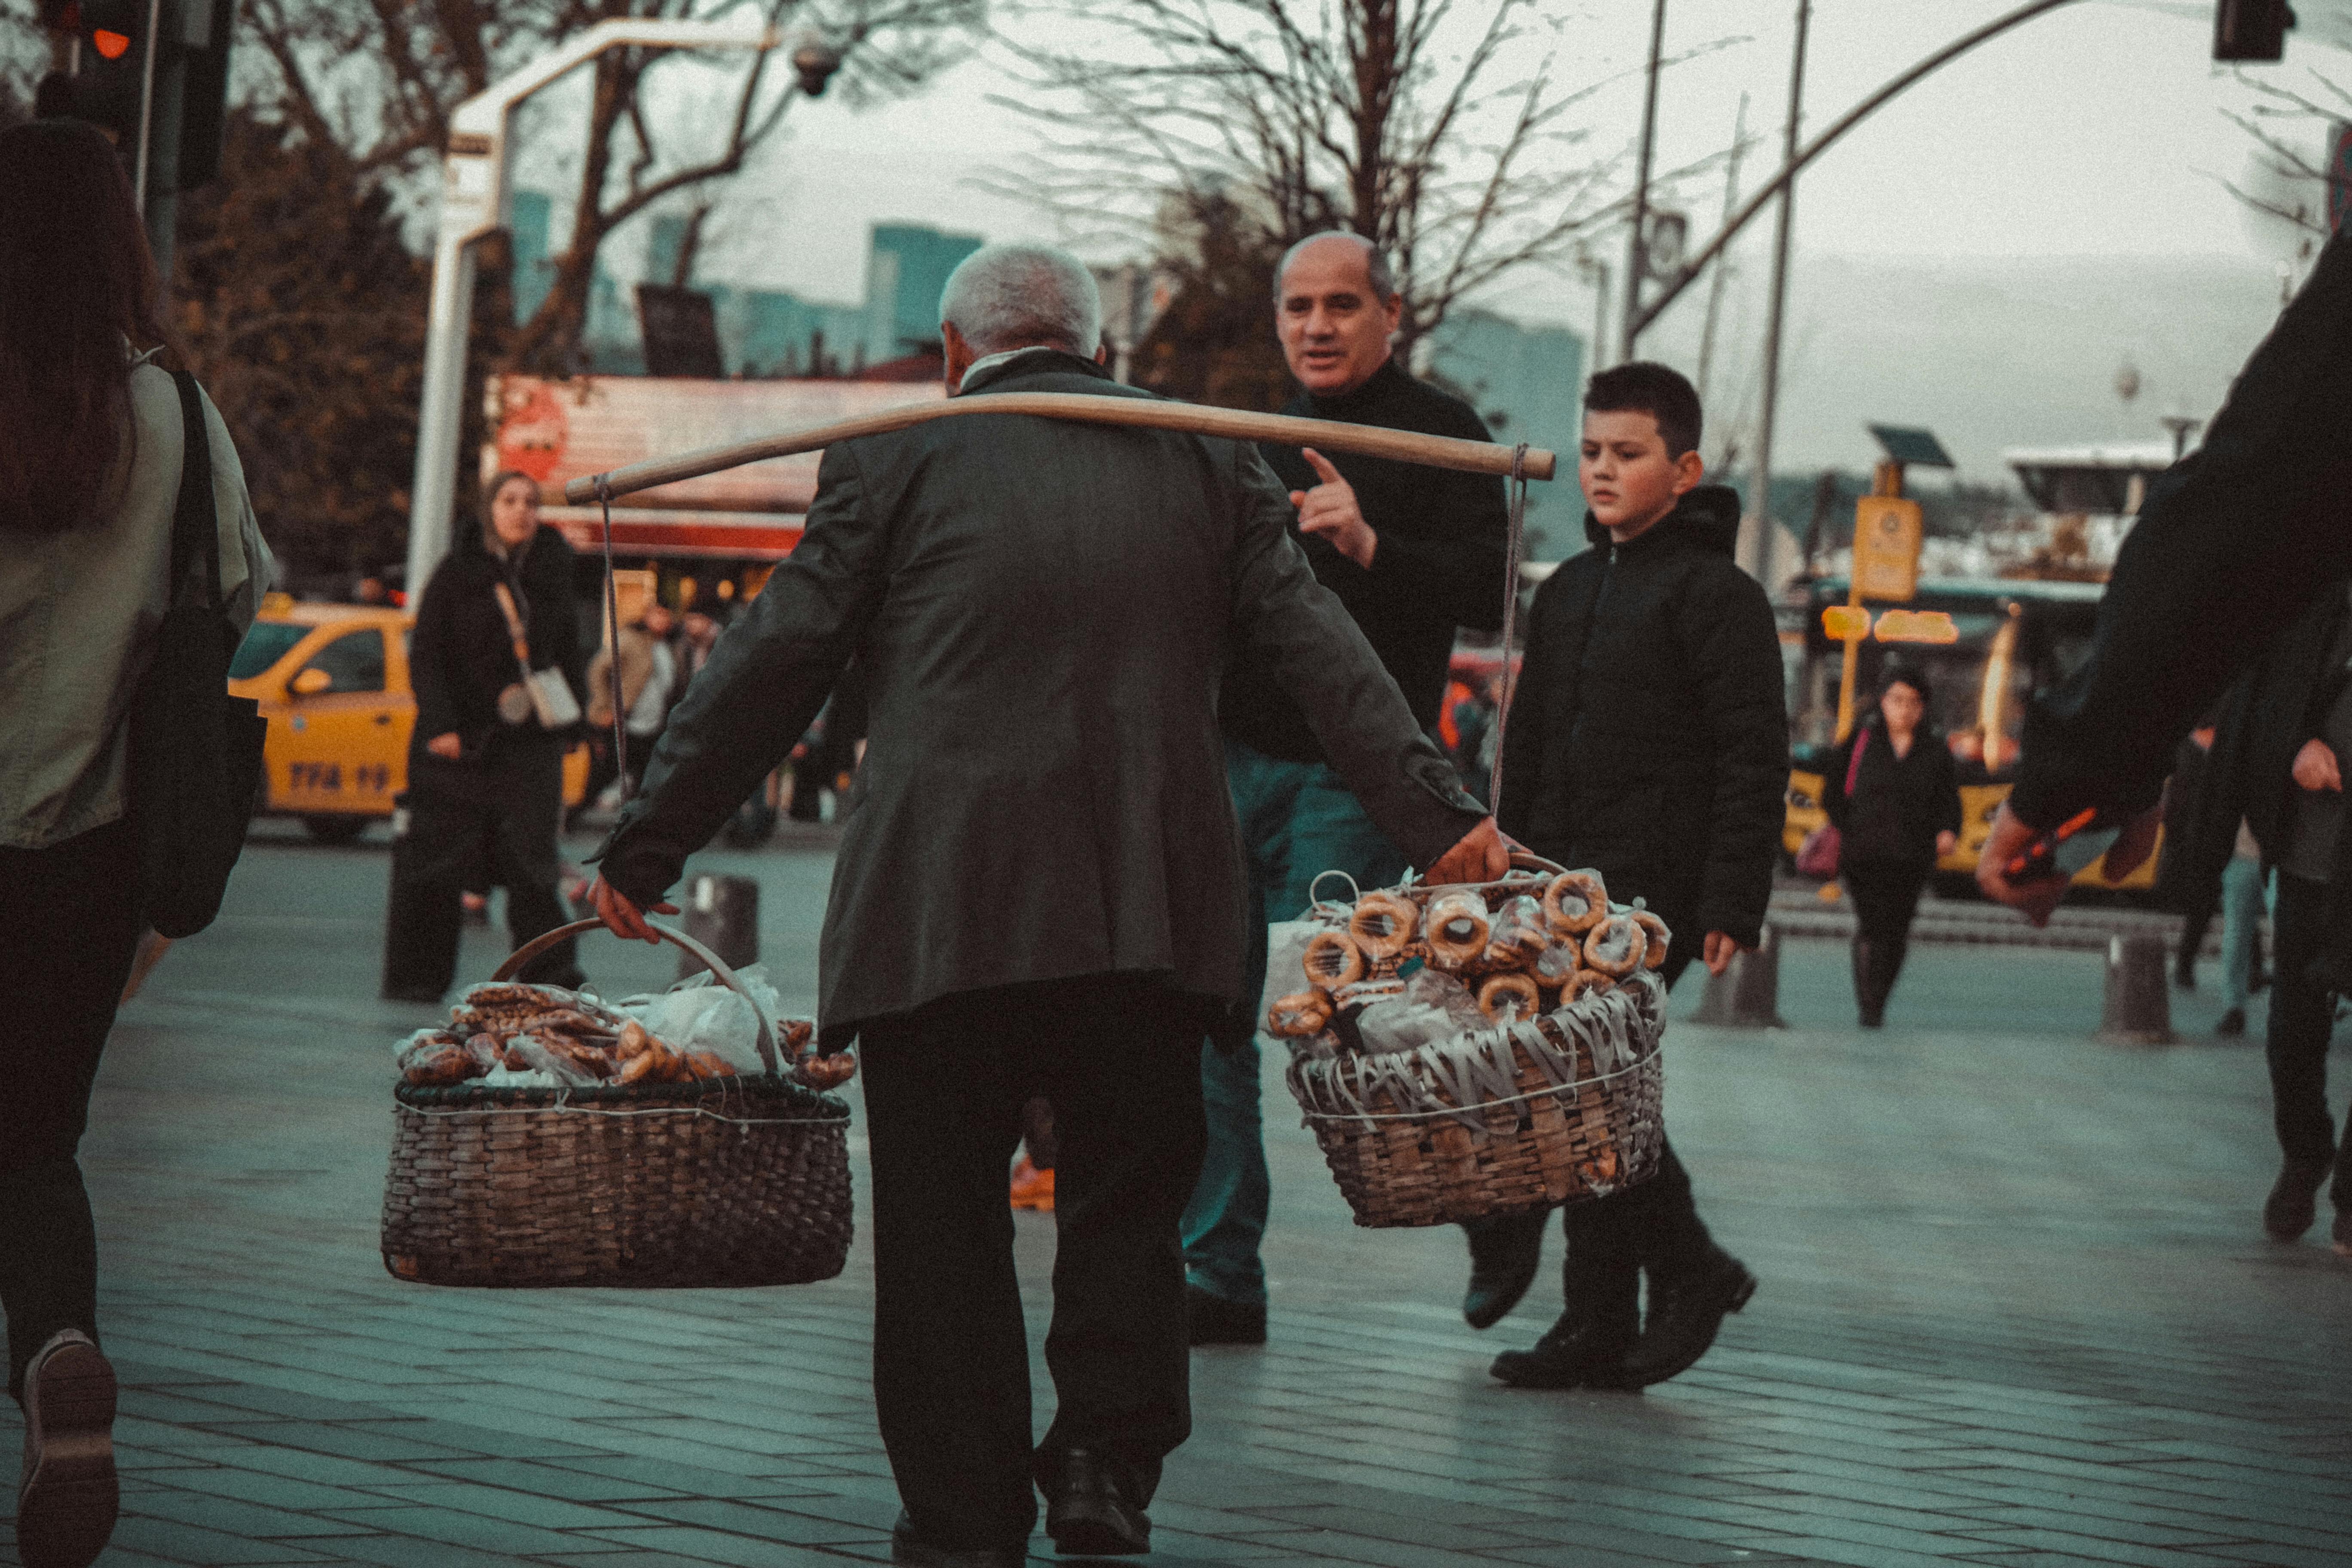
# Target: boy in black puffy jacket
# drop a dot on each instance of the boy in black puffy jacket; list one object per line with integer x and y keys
{"x": 1647, "y": 740}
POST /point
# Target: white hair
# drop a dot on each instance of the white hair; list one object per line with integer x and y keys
{"x": 1005, "y": 297}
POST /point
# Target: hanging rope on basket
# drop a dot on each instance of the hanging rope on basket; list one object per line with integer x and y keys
{"x": 1513, "y": 539}
{"x": 613, "y": 638}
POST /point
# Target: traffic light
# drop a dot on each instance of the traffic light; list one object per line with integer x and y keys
{"x": 2251, "y": 29}
{"x": 110, "y": 79}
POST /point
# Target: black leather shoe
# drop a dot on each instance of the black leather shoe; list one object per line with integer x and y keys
{"x": 1089, "y": 1513}
{"x": 1687, "y": 1304}
{"x": 1505, "y": 1253}
{"x": 1577, "y": 1352}
{"x": 911, "y": 1550}
{"x": 1213, "y": 1320}
{"x": 2233, "y": 1024}
{"x": 2293, "y": 1202}
{"x": 2339, "y": 1236}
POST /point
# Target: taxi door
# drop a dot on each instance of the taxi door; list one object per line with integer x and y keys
{"x": 344, "y": 734}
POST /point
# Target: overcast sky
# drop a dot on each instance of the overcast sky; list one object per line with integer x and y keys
{"x": 2094, "y": 131}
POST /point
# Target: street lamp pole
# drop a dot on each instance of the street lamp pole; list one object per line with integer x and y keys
{"x": 1637, "y": 249}
{"x": 1820, "y": 144}
{"x": 1757, "y": 553}
{"x": 473, "y": 194}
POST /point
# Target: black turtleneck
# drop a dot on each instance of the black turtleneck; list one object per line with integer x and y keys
{"x": 1438, "y": 565}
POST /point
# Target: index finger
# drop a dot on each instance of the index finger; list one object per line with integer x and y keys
{"x": 1330, "y": 476}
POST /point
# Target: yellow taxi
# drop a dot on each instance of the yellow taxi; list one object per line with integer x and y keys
{"x": 332, "y": 682}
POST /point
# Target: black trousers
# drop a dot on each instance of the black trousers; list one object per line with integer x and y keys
{"x": 1655, "y": 1225}
{"x": 73, "y": 943}
{"x": 1885, "y": 898}
{"x": 475, "y": 826}
{"x": 1119, "y": 1058}
{"x": 2303, "y": 1022}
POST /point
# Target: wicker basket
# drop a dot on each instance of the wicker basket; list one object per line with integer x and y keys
{"x": 1544, "y": 1112}
{"x": 739, "y": 1181}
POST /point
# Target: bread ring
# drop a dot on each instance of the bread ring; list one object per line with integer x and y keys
{"x": 1654, "y": 956}
{"x": 1615, "y": 946}
{"x": 797, "y": 1032}
{"x": 1383, "y": 925}
{"x": 1519, "y": 936}
{"x": 1364, "y": 993}
{"x": 1457, "y": 928}
{"x": 1576, "y": 902}
{"x": 1299, "y": 1016}
{"x": 1558, "y": 963}
{"x": 1333, "y": 960}
{"x": 1507, "y": 997}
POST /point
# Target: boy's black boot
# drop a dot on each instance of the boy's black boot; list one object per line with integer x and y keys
{"x": 1886, "y": 955}
{"x": 1586, "y": 1347}
{"x": 1506, "y": 1252}
{"x": 1690, "y": 1293}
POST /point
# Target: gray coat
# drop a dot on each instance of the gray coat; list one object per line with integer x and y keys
{"x": 1044, "y": 610}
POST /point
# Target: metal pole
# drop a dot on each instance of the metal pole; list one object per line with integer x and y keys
{"x": 1714, "y": 284}
{"x": 1820, "y": 144}
{"x": 1637, "y": 248}
{"x": 440, "y": 411}
{"x": 1757, "y": 553}
{"x": 147, "y": 101}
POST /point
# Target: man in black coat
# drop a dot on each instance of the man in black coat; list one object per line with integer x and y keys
{"x": 1648, "y": 740}
{"x": 485, "y": 786}
{"x": 1042, "y": 891}
{"x": 2234, "y": 542}
{"x": 2278, "y": 761}
{"x": 1411, "y": 552}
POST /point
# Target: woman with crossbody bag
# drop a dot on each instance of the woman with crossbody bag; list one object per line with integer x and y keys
{"x": 496, "y": 662}
{"x": 107, "y": 456}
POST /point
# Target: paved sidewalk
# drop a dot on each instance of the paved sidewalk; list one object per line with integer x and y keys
{"x": 2015, "y": 1310}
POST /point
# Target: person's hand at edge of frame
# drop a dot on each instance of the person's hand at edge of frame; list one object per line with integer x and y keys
{"x": 620, "y": 916}
{"x": 1720, "y": 949}
{"x": 451, "y": 745}
{"x": 2010, "y": 839}
{"x": 1481, "y": 855}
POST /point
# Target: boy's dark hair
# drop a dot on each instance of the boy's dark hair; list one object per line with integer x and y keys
{"x": 1645, "y": 386}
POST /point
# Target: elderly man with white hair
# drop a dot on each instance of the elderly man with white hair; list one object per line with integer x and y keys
{"x": 1044, "y": 892}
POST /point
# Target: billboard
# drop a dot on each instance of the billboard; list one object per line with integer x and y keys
{"x": 560, "y": 430}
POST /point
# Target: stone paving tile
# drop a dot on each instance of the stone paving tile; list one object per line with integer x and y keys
{"x": 1997, "y": 1327}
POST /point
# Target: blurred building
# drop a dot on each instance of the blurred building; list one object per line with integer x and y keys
{"x": 1527, "y": 383}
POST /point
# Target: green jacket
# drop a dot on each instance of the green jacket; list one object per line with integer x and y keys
{"x": 1044, "y": 610}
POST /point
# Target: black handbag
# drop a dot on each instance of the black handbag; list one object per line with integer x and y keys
{"x": 195, "y": 751}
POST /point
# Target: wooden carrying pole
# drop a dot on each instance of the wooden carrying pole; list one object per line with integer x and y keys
{"x": 1150, "y": 414}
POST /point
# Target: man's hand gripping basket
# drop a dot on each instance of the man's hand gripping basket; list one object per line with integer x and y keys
{"x": 740, "y": 1179}
{"x": 1468, "y": 1051}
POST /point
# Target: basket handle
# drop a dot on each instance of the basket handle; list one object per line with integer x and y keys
{"x": 1524, "y": 860}
{"x": 766, "y": 1040}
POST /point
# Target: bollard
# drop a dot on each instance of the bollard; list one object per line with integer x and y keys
{"x": 2139, "y": 1000}
{"x": 723, "y": 914}
{"x": 1747, "y": 995}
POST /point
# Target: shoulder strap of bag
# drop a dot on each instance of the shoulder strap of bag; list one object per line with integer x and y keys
{"x": 195, "y": 526}
{"x": 514, "y": 627}
{"x": 1853, "y": 764}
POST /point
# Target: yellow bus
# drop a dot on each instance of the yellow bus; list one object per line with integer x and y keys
{"x": 1986, "y": 645}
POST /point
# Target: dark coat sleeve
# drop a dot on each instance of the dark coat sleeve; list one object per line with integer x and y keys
{"x": 1947, "y": 789}
{"x": 1297, "y": 630}
{"x": 431, "y": 656}
{"x": 765, "y": 681}
{"x": 1836, "y": 765}
{"x": 2233, "y": 541}
{"x": 1733, "y": 652}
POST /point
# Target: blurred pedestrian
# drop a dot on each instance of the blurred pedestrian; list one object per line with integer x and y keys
{"x": 485, "y": 770}
{"x": 648, "y": 669}
{"x": 2278, "y": 763}
{"x": 1043, "y": 894}
{"x": 2186, "y": 883}
{"x": 2245, "y": 899}
{"x": 1901, "y": 817}
{"x": 368, "y": 589}
{"x": 90, "y": 481}
{"x": 1413, "y": 554}
{"x": 1647, "y": 740}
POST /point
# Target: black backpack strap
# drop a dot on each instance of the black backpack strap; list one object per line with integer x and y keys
{"x": 196, "y": 524}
